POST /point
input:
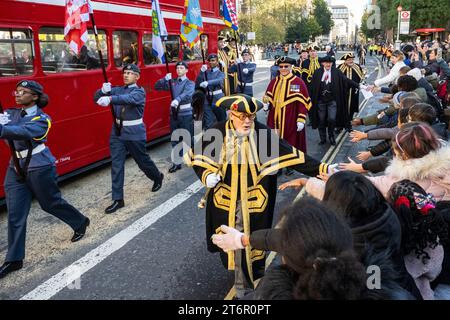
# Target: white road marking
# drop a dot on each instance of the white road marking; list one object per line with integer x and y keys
{"x": 59, "y": 281}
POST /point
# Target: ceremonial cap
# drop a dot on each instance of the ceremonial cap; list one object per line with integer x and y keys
{"x": 240, "y": 103}
{"x": 182, "y": 63}
{"x": 131, "y": 67}
{"x": 348, "y": 56}
{"x": 326, "y": 59}
{"x": 32, "y": 85}
{"x": 285, "y": 59}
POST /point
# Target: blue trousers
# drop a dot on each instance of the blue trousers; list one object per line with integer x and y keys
{"x": 137, "y": 150}
{"x": 182, "y": 122}
{"x": 40, "y": 183}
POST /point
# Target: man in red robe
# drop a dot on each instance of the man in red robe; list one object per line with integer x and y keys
{"x": 289, "y": 102}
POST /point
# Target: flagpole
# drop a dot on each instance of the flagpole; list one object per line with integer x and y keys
{"x": 237, "y": 57}
{"x": 102, "y": 63}
{"x": 167, "y": 68}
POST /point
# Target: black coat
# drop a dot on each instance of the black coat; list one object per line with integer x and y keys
{"x": 340, "y": 86}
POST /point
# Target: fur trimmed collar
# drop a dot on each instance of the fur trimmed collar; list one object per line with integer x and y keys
{"x": 435, "y": 165}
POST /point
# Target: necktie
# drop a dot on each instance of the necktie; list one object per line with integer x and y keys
{"x": 23, "y": 113}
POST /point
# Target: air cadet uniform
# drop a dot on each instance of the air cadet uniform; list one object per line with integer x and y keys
{"x": 31, "y": 173}
{"x": 212, "y": 81}
{"x": 245, "y": 71}
{"x": 128, "y": 134}
{"x": 180, "y": 115}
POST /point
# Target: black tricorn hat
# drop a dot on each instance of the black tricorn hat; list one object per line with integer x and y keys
{"x": 348, "y": 56}
{"x": 285, "y": 59}
{"x": 240, "y": 103}
{"x": 327, "y": 59}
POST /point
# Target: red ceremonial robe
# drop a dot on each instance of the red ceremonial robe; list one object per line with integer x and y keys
{"x": 289, "y": 103}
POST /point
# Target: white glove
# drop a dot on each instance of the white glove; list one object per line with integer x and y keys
{"x": 204, "y": 84}
{"x": 238, "y": 60}
{"x": 222, "y": 64}
{"x": 266, "y": 107}
{"x": 4, "y": 118}
{"x": 212, "y": 180}
{"x": 106, "y": 87}
{"x": 333, "y": 168}
{"x": 300, "y": 126}
{"x": 204, "y": 68}
{"x": 104, "y": 101}
{"x": 168, "y": 77}
{"x": 174, "y": 103}
{"x": 245, "y": 70}
{"x": 230, "y": 240}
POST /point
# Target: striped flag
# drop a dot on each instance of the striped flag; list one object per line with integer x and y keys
{"x": 229, "y": 14}
{"x": 77, "y": 17}
{"x": 191, "y": 23}
{"x": 159, "y": 31}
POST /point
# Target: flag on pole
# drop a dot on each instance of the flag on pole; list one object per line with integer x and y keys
{"x": 191, "y": 23}
{"x": 229, "y": 14}
{"x": 76, "y": 19}
{"x": 159, "y": 31}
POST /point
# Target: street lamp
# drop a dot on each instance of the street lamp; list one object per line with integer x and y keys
{"x": 398, "y": 42}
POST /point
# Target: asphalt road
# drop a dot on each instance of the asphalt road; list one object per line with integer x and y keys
{"x": 154, "y": 248}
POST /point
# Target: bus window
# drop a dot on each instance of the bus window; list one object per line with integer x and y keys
{"x": 58, "y": 57}
{"x": 173, "y": 48}
{"x": 16, "y": 52}
{"x": 125, "y": 48}
{"x": 149, "y": 56}
{"x": 197, "y": 49}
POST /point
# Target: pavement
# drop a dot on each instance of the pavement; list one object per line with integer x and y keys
{"x": 154, "y": 248}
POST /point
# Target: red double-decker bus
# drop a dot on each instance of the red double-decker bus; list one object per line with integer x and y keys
{"x": 32, "y": 46}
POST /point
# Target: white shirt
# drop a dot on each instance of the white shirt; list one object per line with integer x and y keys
{"x": 325, "y": 73}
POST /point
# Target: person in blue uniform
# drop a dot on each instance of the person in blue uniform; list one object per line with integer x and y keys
{"x": 212, "y": 80}
{"x": 31, "y": 172}
{"x": 245, "y": 71}
{"x": 128, "y": 133}
{"x": 180, "y": 108}
{"x": 275, "y": 69}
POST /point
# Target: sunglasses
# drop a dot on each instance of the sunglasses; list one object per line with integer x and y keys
{"x": 284, "y": 67}
{"x": 244, "y": 116}
{"x": 21, "y": 93}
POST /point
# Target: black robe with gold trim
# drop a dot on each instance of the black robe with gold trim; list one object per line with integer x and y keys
{"x": 356, "y": 74}
{"x": 223, "y": 57}
{"x": 248, "y": 175}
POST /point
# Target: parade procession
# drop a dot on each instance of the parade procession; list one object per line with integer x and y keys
{"x": 223, "y": 150}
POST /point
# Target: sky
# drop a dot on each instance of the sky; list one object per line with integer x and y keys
{"x": 356, "y": 6}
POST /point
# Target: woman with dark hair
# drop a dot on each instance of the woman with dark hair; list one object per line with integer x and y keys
{"x": 375, "y": 230}
{"x": 31, "y": 172}
{"x": 420, "y": 156}
{"x": 318, "y": 260}
{"x": 424, "y": 232}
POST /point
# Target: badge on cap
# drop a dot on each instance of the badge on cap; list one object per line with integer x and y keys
{"x": 129, "y": 67}
{"x": 234, "y": 107}
{"x": 24, "y": 84}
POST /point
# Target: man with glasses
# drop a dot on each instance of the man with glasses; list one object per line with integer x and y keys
{"x": 288, "y": 104}
{"x": 239, "y": 165}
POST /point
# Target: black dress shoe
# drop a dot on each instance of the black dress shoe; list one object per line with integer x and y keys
{"x": 322, "y": 142}
{"x": 174, "y": 167}
{"x": 117, "y": 204}
{"x": 81, "y": 231}
{"x": 332, "y": 141}
{"x": 158, "y": 184}
{"x": 9, "y": 267}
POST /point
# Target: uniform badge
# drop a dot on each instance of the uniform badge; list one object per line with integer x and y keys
{"x": 234, "y": 107}
{"x": 295, "y": 88}
{"x": 24, "y": 84}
